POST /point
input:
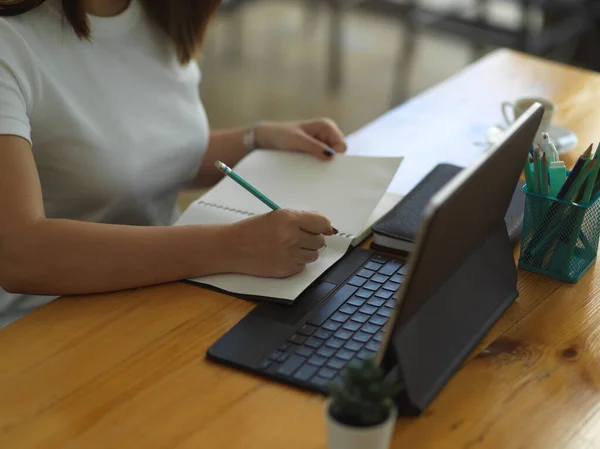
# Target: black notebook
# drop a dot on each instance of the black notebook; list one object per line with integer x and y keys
{"x": 396, "y": 231}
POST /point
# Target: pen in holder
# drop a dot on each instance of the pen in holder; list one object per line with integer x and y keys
{"x": 559, "y": 238}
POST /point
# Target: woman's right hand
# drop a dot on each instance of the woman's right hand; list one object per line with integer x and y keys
{"x": 280, "y": 243}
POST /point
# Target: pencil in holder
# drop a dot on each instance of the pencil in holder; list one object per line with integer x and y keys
{"x": 559, "y": 238}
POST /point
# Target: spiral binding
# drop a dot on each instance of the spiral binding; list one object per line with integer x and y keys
{"x": 230, "y": 209}
{"x": 250, "y": 214}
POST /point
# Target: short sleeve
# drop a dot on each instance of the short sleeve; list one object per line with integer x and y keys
{"x": 16, "y": 83}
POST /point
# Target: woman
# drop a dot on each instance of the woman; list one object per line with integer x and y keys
{"x": 101, "y": 126}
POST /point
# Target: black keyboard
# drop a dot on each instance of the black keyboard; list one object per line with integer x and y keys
{"x": 348, "y": 326}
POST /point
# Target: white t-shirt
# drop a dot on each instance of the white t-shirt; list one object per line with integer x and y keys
{"x": 116, "y": 123}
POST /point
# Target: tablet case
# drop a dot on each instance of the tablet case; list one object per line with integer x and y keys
{"x": 402, "y": 222}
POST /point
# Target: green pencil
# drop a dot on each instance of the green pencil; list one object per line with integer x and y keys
{"x": 537, "y": 169}
{"x": 579, "y": 213}
{"x": 589, "y": 187}
{"x": 246, "y": 185}
{"x": 528, "y": 175}
{"x": 544, "y": 178}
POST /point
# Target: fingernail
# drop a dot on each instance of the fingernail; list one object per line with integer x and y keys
{"x": 329, "y": 152}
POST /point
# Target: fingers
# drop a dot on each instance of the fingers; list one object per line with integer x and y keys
{"x": 307, "y": 144}
{"x": 312, "y": 241}
{"x": 326, "y": 131}
{"x": 306, "y": 256}
{"x": 314, "y": 223}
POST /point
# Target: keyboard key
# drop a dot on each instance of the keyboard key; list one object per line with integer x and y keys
{"x": 370, "y": 328}
{"x": 265, "y": 364}
{"x": 356, "y": 301}
{"x": 364, "y": 273}
{"x": 327, "y": 373}
{"x": 335, "y": 343}
{"x": 369, "y": 310}
{"x": 357, "y": 281}
{"x": 373, "y": 266}
{"x": 391, "y": 303}
{"x": 306, "y": 330}
{"x": 319, "y": 381}
{"x": 362, "y": 337}
{"x": 305, "y": 373}
{"x": 403, "y": 269}
{"x": 384, "y": 294}
{"x": 384, "y": 311}
{"x": 372, "y": 286}
{"x": 297, "y": 339}
{"x": 376, "y": 302}
{"x": 323, "y": 334}
{"x": 353, "y": 345}
{"x": 360, "y": 317}
{"x": 336, "y": 364}
{"x": 349, "y": 309}
{"x": 317, "y": 360}
{"x": 378, "y": 320}
{"x": 331, "y": 305}
{"x": 351, "y": 326}
{"x": 344, "y": 354}
{"x": 326, "y": 352}
{"x": 379, "y": 258}
{"x": 283, "y": 357}
{"x": 291, "y": 365}
{"x": 313, "y": 342}
{"x": 389, "y": 268}
{"x": 331, "y": 326}
{"x": 343, "y": 334}
{"x": 362, "y": 293}
{"x": 392, "y": 286}
{"x": 284, "y": 347}
{"x": 378, "y": 337}
{"x": 380, "y": 278}
{"x": 364, "y": 354}
{"x": 275, "y": 355}
{"x": 340, "y": 317}
{"x": 397, "y": 278}
{"x": 372, "y": 346}
{"x": 305, "y": 351}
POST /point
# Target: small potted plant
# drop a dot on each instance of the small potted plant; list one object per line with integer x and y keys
{"x": 361, "y": 411}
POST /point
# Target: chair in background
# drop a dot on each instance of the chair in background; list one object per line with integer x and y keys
{"x": 232, "y": 11}
{"x": 337, "y": 11}
{"x": 566, "y": 25}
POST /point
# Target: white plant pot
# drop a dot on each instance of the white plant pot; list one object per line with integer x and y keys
{"x": 342, "y": 436}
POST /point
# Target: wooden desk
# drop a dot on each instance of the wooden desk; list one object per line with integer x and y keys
{"x": 127, "y": 370}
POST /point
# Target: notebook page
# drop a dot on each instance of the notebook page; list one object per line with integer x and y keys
{"x": 285, "y": 288}
{"x": 346, "y": 190}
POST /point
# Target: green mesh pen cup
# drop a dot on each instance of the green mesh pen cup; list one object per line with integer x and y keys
{"x": 559, "y": 238}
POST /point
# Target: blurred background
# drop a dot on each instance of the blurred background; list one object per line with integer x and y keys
{"x": 352, "y": 60}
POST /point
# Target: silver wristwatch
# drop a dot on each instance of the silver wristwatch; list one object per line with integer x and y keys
{"x": 249, "y": 138}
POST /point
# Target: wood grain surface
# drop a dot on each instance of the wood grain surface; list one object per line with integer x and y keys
{"x": 127, "y": 369}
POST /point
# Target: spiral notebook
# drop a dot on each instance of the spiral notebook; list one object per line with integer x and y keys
{"x": 347, "y": 190}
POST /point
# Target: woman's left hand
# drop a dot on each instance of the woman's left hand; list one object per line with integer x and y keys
{"x": 319, "y": 137}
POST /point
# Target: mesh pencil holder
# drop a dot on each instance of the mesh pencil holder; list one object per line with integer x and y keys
{"x": 559, "y": 238}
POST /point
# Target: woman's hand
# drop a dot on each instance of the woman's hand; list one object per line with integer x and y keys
{"x": 278, "y": 244}
{"x": 320, "y": 137}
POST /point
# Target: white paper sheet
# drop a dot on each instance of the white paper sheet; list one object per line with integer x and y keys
{"x": 346, "y": 190}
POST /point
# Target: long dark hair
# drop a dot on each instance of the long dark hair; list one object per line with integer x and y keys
{"x": 183, "y": 21}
